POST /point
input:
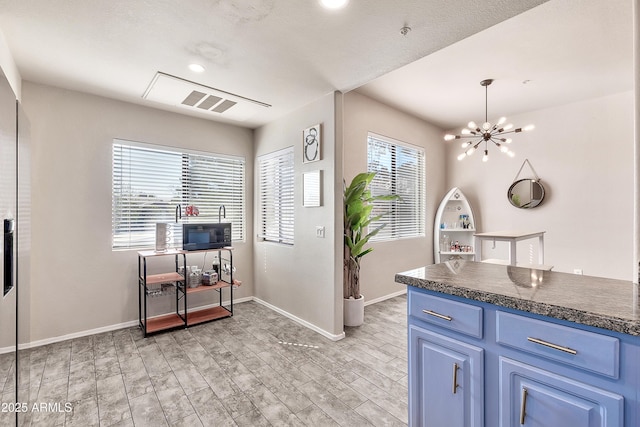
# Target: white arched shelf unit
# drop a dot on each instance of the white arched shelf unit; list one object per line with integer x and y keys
{"x": 451, "y": 227}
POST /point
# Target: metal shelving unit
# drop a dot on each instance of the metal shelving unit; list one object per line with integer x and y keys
{"x": 176, "y": 282}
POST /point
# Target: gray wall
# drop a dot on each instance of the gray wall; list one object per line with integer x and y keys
{"x": 362, "y": 115}
{"x": 583, "y": 152}
{"x": 78, "y": 283}
{"x": 300, "y": 280}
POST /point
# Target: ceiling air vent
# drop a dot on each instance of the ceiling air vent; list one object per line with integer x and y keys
{"x": 176, "y": 91}
{"x": 224, "y": 106}
{"x": 193, "y": 98}
{"x": 208, "y": 102}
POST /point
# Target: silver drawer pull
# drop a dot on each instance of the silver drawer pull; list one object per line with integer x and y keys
{"x": 455, "y": 377}
{"x": 523, "y": 406}
{"x": 553, "y": 346}
{"x": 438, "y": 315}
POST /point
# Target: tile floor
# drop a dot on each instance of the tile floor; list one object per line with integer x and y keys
{"x": 257, "y": 368}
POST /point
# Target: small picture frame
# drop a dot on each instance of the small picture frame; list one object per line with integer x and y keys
{"x": 311, "y": 144}
{"x": 312, "y": 189}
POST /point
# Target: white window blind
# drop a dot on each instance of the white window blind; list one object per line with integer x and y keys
{"x": 400, "y": 169}
{"x": 149, "y": 182}
{"x": 276, "y": 186}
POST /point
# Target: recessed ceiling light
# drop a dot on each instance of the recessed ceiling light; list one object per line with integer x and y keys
{"x": 196, "y": 68}
{"x": 333, "y": 4}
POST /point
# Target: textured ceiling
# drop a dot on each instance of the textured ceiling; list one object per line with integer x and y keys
{"x": 557, "y": 53}
{"x": 286, "y": 53}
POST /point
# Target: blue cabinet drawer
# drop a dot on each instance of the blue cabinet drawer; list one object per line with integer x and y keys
{"x": 457, "y": 316}
{"x": 585, "y": 350}
{"x": 533, "y": 397}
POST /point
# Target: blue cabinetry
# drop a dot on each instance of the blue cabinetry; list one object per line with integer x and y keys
{"x": 446, "y": 381}
{"x": 535, "y": 397}
{"x": 514, "y": 368}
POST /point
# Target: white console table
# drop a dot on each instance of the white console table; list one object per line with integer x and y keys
{"x": 512, "y": 237}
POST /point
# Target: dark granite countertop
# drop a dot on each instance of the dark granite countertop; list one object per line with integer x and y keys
{"x": 594, "y": 301}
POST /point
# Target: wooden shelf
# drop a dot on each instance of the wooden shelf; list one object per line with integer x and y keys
{"x": 218, "y": 285}
{"x": 195, "y": 317}
{"x": 154, "y": 279}
{"x": 201, "y": 288}
{"x": 161, "y": 323}
{"x": 151, "y": 253}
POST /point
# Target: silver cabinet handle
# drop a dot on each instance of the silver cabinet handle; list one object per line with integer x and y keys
{"x": 553, "y": 346}
{"x": 455, "y": 377}
{"x": 523, "y": 405}
{"x": 438, "y": 315}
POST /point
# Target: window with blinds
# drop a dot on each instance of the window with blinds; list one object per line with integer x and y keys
{"x": 150, "y": 182}
{"x": 400, "y": 169}
{"x": 276, "y": 186}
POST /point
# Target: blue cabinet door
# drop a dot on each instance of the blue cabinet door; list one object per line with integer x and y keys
{"x": 445, "y": 381}
{"x": 532, "y": 397}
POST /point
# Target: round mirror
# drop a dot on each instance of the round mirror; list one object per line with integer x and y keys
{"x": 526, "y": 193}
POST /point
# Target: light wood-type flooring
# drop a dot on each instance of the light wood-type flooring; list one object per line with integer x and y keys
{"x": 257, "y": 368}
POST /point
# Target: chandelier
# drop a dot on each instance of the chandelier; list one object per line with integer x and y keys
{"x": 486, "y": 133}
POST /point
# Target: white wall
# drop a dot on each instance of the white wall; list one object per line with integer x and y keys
{"x": 362, "y": 115}
{"x": 9, "y": 68}
{"x": 9, "y": 71}
{"x": 583, "y": 153}
{"x": 8, "y": 208}
{"x": 78, "y": 282}
{"x": 24, "y": 229}
{"x": 301, "y": 279}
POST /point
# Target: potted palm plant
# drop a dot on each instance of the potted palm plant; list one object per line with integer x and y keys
{"x": 357, "y": 217}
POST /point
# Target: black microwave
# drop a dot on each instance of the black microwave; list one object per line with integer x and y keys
{"x": 197, "y": 237}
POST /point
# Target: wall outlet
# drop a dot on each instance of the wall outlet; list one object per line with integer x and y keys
{"x": 320, "y": 231}
{"x": 577, "y": 271}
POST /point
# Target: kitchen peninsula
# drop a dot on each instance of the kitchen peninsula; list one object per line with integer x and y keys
{"x": 496, "y": 345}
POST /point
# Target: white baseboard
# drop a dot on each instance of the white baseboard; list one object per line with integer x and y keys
{"x": 133, "y": 323}
{"x": 304, "y": 323}
{"x": 103, "y": 329}
{"x": 79, "y": 334}
{"x": 385, "y": 297}
{"x": 4, "y": 350}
